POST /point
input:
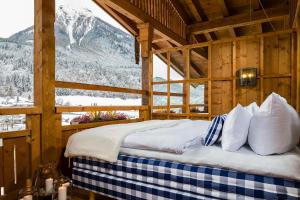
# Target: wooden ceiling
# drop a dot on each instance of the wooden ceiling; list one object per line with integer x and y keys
{"x": 204, "y": 20}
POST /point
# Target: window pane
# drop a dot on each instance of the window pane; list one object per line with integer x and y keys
{"x": 12, "y": 122}
{"x": 16, "y": 53}
{"x": 92, "y": 48}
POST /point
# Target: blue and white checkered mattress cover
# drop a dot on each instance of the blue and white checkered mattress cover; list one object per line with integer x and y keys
{"x": 144, "y": 178}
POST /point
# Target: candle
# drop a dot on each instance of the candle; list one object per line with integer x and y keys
{"x": 2, "y": 191}
{"x": 62, "y": 193}
{"x": 67, "y": 184}
{"x": 28, "y": 197}
{"x": 49, "y": 185}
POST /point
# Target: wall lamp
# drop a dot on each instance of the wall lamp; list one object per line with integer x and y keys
{"x": 247, "y": 77}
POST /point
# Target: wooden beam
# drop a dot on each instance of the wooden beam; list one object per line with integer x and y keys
{"x": 140, "y": 17}
{"x": 294, "y": 12}
{"x": 123, "y": 20}
{"x": 19, "y": 110}
{"x": 83, "y": 86}
{"x": 183, "y": 14}
{"x": 63, "y": 109}
{"x": 14, "y": 134}
{"x": 157, "y": 39}
{"x": 97, "y": 124}
{"x": 44, "y": 74}
{"x": 298, "y": 66}
{"x": 205, "y": 44}
{"x": 186, "y": 86}
{"x": 145, "y": 37}
{"x": 225, "y": 13}
{"x": 194, "y": 10}
{"x": 239, "y": 20}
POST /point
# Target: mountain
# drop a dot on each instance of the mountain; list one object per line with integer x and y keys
{"x": 88, "y": 50}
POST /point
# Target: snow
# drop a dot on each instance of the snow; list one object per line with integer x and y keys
{"x": 100, "y": 101}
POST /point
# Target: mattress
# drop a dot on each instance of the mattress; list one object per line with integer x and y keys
{"x": 135, "y": 177}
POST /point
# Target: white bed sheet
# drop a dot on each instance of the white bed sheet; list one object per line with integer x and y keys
{"x": 173, "y": 139}
{"x": 245, "y": 160}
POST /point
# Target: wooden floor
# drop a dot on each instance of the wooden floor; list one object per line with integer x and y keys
{"x": 79, "y": 194}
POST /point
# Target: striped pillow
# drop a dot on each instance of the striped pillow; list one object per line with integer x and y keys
{"x": 214, "y": 131}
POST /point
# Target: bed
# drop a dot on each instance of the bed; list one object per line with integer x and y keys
{"x": 198, "y": 173}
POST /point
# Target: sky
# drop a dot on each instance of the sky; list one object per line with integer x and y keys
{"x": 17, "y": 15}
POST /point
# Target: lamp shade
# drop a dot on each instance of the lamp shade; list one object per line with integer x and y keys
{"x": 247, "y": 76}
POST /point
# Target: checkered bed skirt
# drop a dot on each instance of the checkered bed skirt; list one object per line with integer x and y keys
{"x": 144, "y": 178}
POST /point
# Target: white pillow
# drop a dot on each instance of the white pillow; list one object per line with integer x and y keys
{"x": 252, "y": 108}
{"x": 235, "y": 130}
{"x": 275, "y": 128}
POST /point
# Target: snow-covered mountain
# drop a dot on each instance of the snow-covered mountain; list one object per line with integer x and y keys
{"x": 88, "y": 50}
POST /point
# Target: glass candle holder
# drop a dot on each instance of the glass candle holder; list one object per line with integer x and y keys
{"x": 63, "y": 189}
{"x": 44, "y": 181}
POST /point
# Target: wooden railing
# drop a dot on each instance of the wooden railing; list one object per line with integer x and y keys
{"x": 59, "y": 110}
{"x": 164, "y": 12}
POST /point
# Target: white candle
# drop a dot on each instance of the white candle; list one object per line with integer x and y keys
{"x": 28, "y": 197}
{"x": 2, "y": 191}
{"x": 67, "y": 184}
{"x": 49, "y": 185}
{"x": 62, "y": 193}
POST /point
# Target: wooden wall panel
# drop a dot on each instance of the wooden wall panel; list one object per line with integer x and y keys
{"x": 221, "y": 60}
{"x": 275, "y": 57}
{"x": 247, "y": 55}
{"x": 281, "y": 86}
{"x": 22, "y": 162}
{"x": 277, "y": 52}
{"x": 221, "y": 97}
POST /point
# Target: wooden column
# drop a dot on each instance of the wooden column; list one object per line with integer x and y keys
{"x": 298, "y": 66}
{"x": 33, "y": 124}
{"x": 261, "y": 68}
{"x": 186, "y": 84}
{"x": 44, "y": 74}
{"x": 234, "y": 74}
{"x": 145, "y": 39}
{"x": 209, "y": 80}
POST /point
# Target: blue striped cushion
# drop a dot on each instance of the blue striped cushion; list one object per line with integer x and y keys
{"x": 214, "y": 131}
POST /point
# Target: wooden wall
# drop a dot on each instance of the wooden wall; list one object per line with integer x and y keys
{"x": 273, "y": 54}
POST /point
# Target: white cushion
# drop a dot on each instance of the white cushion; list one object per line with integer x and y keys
{"x": 235, "y": 130}
{"x": 252, "y": 108}
{"x": 275, "y": 128}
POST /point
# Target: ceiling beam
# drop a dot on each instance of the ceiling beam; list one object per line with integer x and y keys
{"x": 182, "y": 13}
{"x": 123, "y": 20}
{"x": 235, "y": 21}
{"x": 139, "y": 16}
{"x": 294, "y": 12}
{"x": 157, "y": 39}
{"x": 225, "y": 13}
{"x": 199, "y": 16}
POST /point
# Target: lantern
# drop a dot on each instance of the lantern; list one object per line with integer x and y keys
{"x": 247, "y": 77}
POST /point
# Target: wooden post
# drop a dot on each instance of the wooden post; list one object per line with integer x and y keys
{"x": 298, "y": 65}
{"x": 234, "y": 74}
{"x": 145, "y": 38}
{"x": 33, "y": 124}
{"x": 44, "y": 75}
{"x": 186, "y": 84}
{"x": 169, "y": 84}
{"x": 261, "y": 68}
{"x": 209, "y": 80}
